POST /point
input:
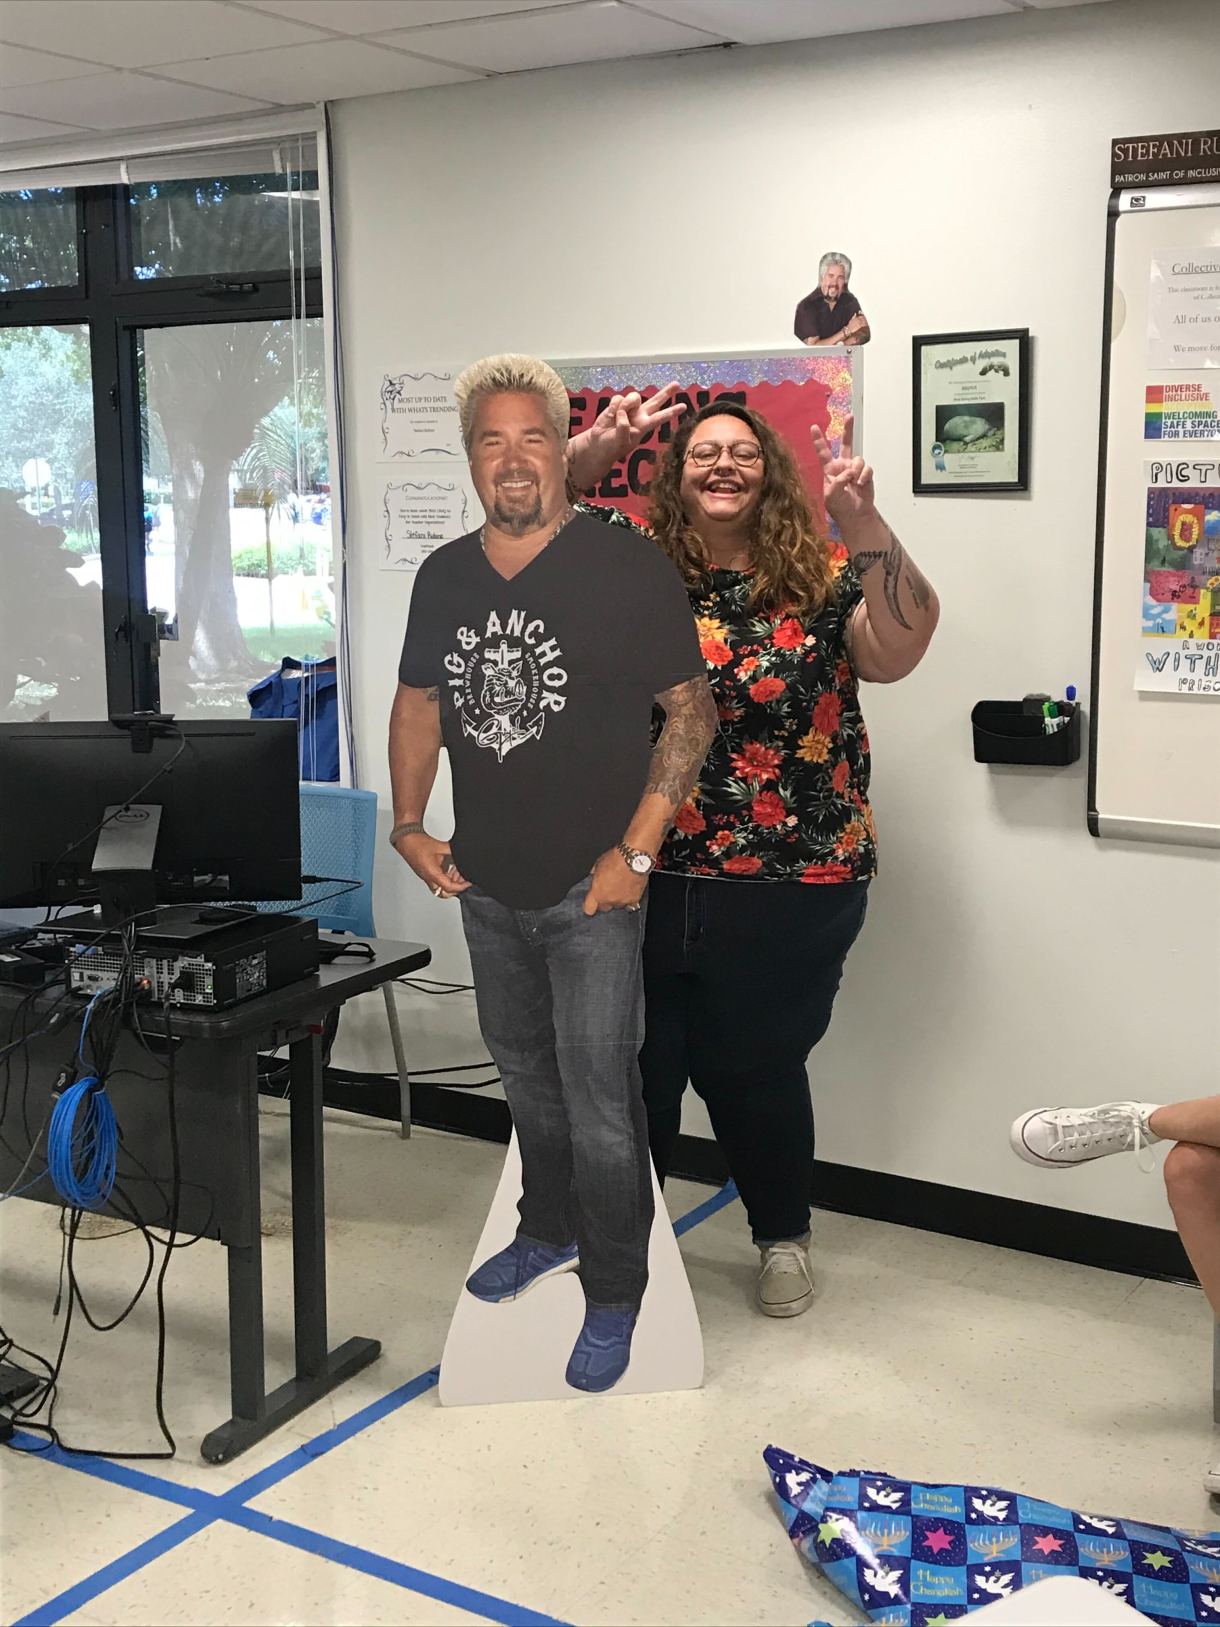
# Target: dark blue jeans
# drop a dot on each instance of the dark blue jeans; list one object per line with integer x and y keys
{"x": 560, "y": 1003}
{"x": 740, "y": 978}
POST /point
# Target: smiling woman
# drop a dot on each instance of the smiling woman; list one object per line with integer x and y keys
{"x": 740, "y": 980}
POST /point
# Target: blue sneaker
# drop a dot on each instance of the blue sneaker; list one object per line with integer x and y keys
{"x": 601, "y": 1353}
{"x": 517, "y": 1268}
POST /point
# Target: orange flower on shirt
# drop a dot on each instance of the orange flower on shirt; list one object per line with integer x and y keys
{"x": 840, "y": 777}
{"x": 788, "y": 635}
{"x": 769, "y": 808}
{"x": 715, "y": 652}
{"x": 814, "y": 747}
{"x": 852, "y": 838}
{"x": 721, "y": 840}
{"x": 767, "y": 689}
{"x": 690, "y": 820}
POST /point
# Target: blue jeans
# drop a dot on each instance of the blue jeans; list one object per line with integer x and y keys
{"x": 561, "y": 1006}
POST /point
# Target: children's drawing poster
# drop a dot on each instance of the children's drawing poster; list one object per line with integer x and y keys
{"x": 1180, "y": 625}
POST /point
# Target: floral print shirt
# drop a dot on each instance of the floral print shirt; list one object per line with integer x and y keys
{"x": 783, "y": 795}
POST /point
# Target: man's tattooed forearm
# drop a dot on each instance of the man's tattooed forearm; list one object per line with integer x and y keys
{"x": 690, "y": 727}
{"x": 892, "y": 561}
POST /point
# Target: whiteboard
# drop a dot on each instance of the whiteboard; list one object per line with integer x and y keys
{"x": 1154, "y": 750}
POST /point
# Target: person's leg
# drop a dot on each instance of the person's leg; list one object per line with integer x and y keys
{"x": 595, "y": 973}
{"x": 664, "y": 1063}
{"x": 1192, "y": 1180}
{"x": 767, "y": 970}
{"x": 513, "y": 998}
{"x": 1197, "y": 1121}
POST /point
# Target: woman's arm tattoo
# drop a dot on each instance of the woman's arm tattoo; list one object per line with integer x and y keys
{"x": 893, "y": 561}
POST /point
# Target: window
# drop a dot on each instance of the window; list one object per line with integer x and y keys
{"x": 163, "y": 439}
{"x": 38, "y": 240}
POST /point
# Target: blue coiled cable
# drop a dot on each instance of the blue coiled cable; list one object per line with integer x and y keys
{"x": 83, "y": 1144}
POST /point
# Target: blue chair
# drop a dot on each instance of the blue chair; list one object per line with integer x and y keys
{"x": 338, "y": 837}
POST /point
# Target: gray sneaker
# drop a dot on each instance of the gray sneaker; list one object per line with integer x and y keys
{"x": 1058, "y": 1136}
{"x": 785, "y": 1283}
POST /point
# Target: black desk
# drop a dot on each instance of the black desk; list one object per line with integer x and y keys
{"x": 216, "y": 1101}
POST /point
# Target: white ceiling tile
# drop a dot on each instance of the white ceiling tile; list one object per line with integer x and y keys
{"x": 14, "y": 130}
{"x": 323, "y": 71}
{"x": 139, "y": 33}
{"x": 596, "y": 31}
{"x": 761, "y": 22}
{"x": 380, "y": 16}
{"x": 120, "y": 101}
{"x": 21, "y": 67}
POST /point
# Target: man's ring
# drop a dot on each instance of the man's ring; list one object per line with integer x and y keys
{"x": 634, "y": 909}
{"x": 438, "y": 892}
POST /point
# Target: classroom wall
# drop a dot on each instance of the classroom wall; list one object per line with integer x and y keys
{"x": 681, "y": 205}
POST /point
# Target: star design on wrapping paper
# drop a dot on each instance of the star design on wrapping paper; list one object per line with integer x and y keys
{"x": 1157, "y": 1560}
{"x": 830, "y": 1530}
{"x": 940, "y": 1620}
{"x": 1047, "y": 1544}
{"x": 938, "y": 1540}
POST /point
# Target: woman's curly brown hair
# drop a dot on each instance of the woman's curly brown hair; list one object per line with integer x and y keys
{"x": 792, "y": 567}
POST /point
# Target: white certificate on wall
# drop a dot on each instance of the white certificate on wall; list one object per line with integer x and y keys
{"x": 419, "y": 417}
{"x": 1184, "y": 308}
{"x": 420, "y": 512}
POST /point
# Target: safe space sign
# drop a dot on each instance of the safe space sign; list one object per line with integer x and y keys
{"x": 792, "y": 392}
{"x": 1180, "y": 624}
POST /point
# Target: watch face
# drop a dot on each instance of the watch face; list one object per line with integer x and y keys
{"x": 641, "y": 864}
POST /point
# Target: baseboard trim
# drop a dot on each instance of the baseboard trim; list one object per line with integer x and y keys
{"x": 980, "y": 1217}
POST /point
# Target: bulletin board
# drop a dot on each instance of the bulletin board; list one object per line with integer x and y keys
{"x": 1154, "y": 759}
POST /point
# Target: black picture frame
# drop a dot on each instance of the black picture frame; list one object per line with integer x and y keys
{"x": 969, "y": 349}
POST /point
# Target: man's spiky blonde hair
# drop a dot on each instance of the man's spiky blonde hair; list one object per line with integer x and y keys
{"x": 498, "y": 375}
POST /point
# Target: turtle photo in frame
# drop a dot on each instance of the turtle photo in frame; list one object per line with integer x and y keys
{"x": 970, "y": 411}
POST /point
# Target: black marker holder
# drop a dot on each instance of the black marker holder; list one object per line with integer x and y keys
{"x": 1008, "y": 732}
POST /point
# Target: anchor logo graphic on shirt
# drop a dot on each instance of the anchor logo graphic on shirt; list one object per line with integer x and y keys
{"x": 503, "y": 696}
{"x": 505, "y": 680}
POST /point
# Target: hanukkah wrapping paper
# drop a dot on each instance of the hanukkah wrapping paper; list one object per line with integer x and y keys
{"x": 920, "y": 1555}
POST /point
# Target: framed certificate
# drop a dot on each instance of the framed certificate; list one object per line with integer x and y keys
{"x": 971, "y": 411}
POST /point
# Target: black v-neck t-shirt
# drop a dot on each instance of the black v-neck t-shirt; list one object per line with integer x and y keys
{"x": 546, "y": 689}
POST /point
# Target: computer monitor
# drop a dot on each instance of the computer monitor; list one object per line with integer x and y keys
{"x": 138, "y": 812}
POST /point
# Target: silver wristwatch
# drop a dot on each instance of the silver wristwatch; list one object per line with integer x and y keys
{"x": 637, "y": 860}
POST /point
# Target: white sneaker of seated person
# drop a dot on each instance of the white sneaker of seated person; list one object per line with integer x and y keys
{"x": 1056, "y": 1137}
{"x": 785, "y": 1280}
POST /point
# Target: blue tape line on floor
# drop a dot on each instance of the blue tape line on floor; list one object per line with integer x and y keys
{"x": 117, "y": 1474}
{"x": 330, "y": 1438}
{"x": 390, "y": 1570}
{"x": 209, "y": 1506}
{"x": 704, "y": 1211}
{"x": 118, "y": 1570}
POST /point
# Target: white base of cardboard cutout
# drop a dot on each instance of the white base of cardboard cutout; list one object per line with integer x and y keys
{"x": 518, "y": 1351}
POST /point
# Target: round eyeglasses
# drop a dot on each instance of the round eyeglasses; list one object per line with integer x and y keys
{"x": 745, "y": 454}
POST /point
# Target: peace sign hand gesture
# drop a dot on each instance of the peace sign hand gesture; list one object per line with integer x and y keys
{"x": 847, "y": 481}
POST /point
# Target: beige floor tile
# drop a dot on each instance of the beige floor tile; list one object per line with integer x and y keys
{"x": 224, "y": 1574}
{"x": 57, "y": 1526}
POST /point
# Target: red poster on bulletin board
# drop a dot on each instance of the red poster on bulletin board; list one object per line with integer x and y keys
{"x": 792, "y": 390}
